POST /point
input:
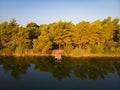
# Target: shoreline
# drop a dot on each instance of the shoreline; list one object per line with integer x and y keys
{"x": 73, "y": 56}
{"x": 94, "y": 55}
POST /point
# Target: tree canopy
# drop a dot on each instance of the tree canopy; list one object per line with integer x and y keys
{"x": 99, "y": 36}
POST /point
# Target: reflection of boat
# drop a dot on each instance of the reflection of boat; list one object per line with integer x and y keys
{"x": 58, "y": 61}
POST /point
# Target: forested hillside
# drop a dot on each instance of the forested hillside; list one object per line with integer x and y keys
{"x": 98, "y": 37}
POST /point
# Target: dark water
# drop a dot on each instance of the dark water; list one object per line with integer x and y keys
{"x": 43, "y": 73}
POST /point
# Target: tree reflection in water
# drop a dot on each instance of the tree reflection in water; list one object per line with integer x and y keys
{"x": 82, "y": 68}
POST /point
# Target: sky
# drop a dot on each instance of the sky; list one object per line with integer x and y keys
{"x": 49, "y": 11}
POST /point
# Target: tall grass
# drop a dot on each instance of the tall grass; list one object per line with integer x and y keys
{"x": 80, "y": 51}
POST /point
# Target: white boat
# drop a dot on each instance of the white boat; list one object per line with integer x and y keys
{"x": 58, "y": 57}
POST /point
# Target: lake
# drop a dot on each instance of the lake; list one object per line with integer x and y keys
{"x": 43, "y": 73}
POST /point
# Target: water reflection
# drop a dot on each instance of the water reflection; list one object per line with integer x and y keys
{"x": 82, "y": 68}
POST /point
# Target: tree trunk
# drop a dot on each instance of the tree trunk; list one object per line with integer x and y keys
{"x": 59, "y": 46}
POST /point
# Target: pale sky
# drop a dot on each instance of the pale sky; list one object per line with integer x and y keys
{"x": 48, "y": 11}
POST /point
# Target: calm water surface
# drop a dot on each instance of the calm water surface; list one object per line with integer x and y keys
{"x": 43, "y": 73}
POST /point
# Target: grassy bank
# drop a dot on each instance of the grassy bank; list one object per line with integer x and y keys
{"x": 76, "y": 52}
{"x": 66, "y": 55}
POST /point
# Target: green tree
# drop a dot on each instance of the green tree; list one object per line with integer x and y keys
{"x": 108, "y": 29}
{"x": 64, "y": 33}
{"x": 43, "y": 43}
{"x": 81, "y": 34}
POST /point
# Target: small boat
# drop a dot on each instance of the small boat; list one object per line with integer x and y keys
{"x": 58, "y": 57}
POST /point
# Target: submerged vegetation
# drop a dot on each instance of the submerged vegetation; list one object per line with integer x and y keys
{"x": 84, "y": 38}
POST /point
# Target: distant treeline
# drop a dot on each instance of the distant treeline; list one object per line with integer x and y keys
{"x": 97, "y": 37}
